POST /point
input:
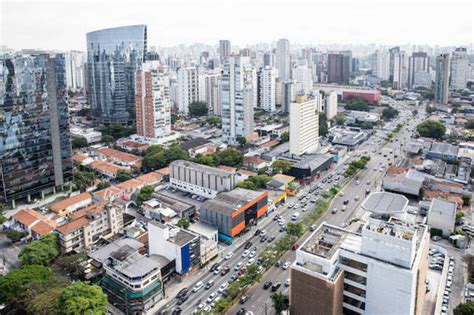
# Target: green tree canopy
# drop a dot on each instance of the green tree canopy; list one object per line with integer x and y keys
{"x": 431, "y": 129}
{"x": 295, "y": 229}
{"x": 389, "y": 113}
{"x": 280, "y": 301}
{"x": 157, "y": 157}
{"x": 183, "y": 223}
{"x": 281, "y": 166}
{"x": 197, "y": 109}
{"x": 230, "y": 157}
{"x": 118, "y": 131}
{"x": 107, "y": 139}
{"x": 208, "y": 160}
{"x": 242, "y": 141}
{"x": 285, "y": 137}
{"x": 145, "y": 194}
{"x": 340, "y": 120}
{"x": 14, "y": 283}
{"x": 40, "y": 252}
{"x": 79, "y": 143}
{"x": 39, "y": 296}
{"x": 214, "y": 121}
{"x": 466, "y": 308}
{"x": 470, "y": 124}
{"x": 122, "y": 176}
{"x": 323, "y": 124}
{"x": 82, "y": 298}
{"x": 82, "y": 180}
{"x": 357, "y": 103}
{"x": 246, "y": 184}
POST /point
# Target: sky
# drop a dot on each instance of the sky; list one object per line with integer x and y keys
{"x": 63, "y": 24}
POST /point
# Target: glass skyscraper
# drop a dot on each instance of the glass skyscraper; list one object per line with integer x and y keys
{"x": 35, "y": 146}
{"x": 113, "y": 57}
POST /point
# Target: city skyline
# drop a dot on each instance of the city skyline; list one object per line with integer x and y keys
{"x": 357, "y": 23}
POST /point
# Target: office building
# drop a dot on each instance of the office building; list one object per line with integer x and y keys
{"x": 187, "y": 88}
{"x": 238, "y": 98}
{"x": 400, "y": 70}
{"x": 231, "y": 212}
{"x": 339, "y": 67}
{"x": 419, "y": 70}
{"x": 201, "y": 180}
{"x": 330, "y": 105}
{"x": 224, "y": 50}
{"x": 381, "y": 65}
{"x": 267, "y": 89}
{"x": 269, "y": 60}
{"x": 303, "y": 75}
{"x": 174, "y": 243}
{"x": 114, "y": 56}
{"x": 75, "y": 62}
{"x": 283, "y": 59}
{"x": 35, "y": 145}
{"x": 442, "y": 79}
{"x": 459, "y": 69}
{"x": 132, "y": 281}
{"x": 212, "y": 91}
{"x": 304, "y": 126}
{"x": 152, "y": 102}
{"x": 381, "y": 270}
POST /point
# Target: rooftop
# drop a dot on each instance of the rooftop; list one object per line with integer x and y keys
{"x": 313, "y": 161}
{"x": 189, "y": 144}
{"x": 106, "y": 167}
{"x": 443, "y": 207}
{"x": 63, "y": 204}
{"x": 130, "y": 184}
{"x": 119, "y": 155}
{"x": 324, "y": 241}
{"x": 385, "y": 203}
{"x": 231, "y": 201}
{"x": 103, "y": 253}
{"x": 201, "y": 168}
{"x": 73, "y": 225}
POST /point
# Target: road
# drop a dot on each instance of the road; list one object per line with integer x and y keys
{"x": 260, "y": 301}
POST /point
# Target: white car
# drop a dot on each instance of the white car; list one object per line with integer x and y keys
{"x": 229, "y": 255}
{"x": 252, "y": 254}
{"x": 286, "y": 265}
{"x": 238, "y": 266}
{"x": 211, "y": 297}
{"x": 217, "y": 270}
{"x": 245, "y": 253}
{"x": 223, "y": 287}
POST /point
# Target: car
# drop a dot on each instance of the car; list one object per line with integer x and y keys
{"x": 211, "y": 297}
{"x": 244, "y": 298}
{"x": 251, "y": 261}
{"x": 276, "y": 286}
{"x": 182, "y": 293}
{"x": 209, "y": 284}
{"x": 345, "y": 202}
{"x": 278, "y": 263}
{"x": 213, "y": 267}
{"x": 238, "y": 266}
{"x": 198, "y": 286}
{"x": 286, "y": 265}
{"x": 248, "y": 244}
{"x": 233, "y": 277}
{"x": 271, "y": 238}
{"x": 334, "y": 210}
{"x": 263, "y": 238}
{"x": 343, "y": 208}
{"x": 357, "y": 182}
{"x": 229, "y": 255}
{"x": 287, "y": 282}
{"x": 245, "y": 253}
{"x": 207, "y": 308}
{"x": 182, "y": 299}
{"x": 267, "y": 284}
{"x": 257, "y": 232}
{"x": 252, "y": 254}
{"x": 176, "y": 311}
{"x": 282, "y": 229}
{"x": 341, "y": 194}
{"x": 281, "y": 223}
{"x": 217, "y": 270}
{"x": 225, "y": 271}
{"x": 313, "y": 227}
{"x": 356, "y": 198}
{"x": 223, "y": 287}
{"x": 368, "y": 182}
{"x": 263, "y": 233}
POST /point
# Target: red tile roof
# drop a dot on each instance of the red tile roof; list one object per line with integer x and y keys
{"x": 108, "y": 192}
{"x": 73, "y": 225}
{"x": 127, "y": 157}
{"x": 150, "y": 178}
{"x": 269, "y": 144}
{"x": 63, "y": 204}
{"x": 42, "y": 228}
{"x": 106, "y": 167}
{"x": 255, "y": 160}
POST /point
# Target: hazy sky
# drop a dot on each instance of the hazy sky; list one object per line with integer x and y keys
{"x": 63, "y": 24}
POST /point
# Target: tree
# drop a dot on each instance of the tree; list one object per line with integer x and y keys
{"x": 40, "y": 252}
{"x": 183, "y": 223}
{"x": 82, "y": 180}
{"x": 285, "y": 137}
{"x": 246, "y": 184}
{"x": 323, "y": 125}
{"x": 242, "y": 141}
{"x": 208, "y": 160}
{"x": 281, "y": 166}
{"x": 145, "y": 194}
{"x": 466, "y": 199}
{"x": 197, "y": 109}
{"x": 122, "y": 176}
{"x": 466, "y": 308}
{"x": 214, "y": 121}
{"x": 14, "y": 283}
{"x": 39, "y": 297}
{"x": 430, "y": 109}
{"x": 280, "y": 302}
{"x": 71, "y": 263}
{"x": 340, "y": 120}
{"x": 459, "y": 215}
{"x": 79, "y": 143}
{"x": 107, "y": 139}
{"x": 2, "y": 216}
{"x": 294, "y": 229}
{"x": 82, "y": 298}
{"x": 15, "y": 236}
{"x": 175, "y": 152}
{"x": 431, "y": 129}
{"x": 102, "y": 185}
{"x": 357, "y": 103}
{"x": 260, "y": 181}
{"x": 118, "y": 131}
{"x": 389, "y": 113}
{"x": 230, "y": 157}
{"x": 414, "y": 112}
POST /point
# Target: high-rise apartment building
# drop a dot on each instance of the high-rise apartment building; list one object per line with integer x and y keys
{"x": 381, "y": 65}
{"x": 75, "y": 62}
{"x": 330, "y": 105}
{"x": 238, "y": 95}
{"x": 152, "y": 101}
{"x": 212, "y": 92}
{"x": 419, "y": 70}
{"x": 283, "y": 59}
{"x": 400, "y": 70}
{"x": 287, "y": 95}
{"x": 442, "y": 79}
{"x": 224, "y": 50}
{"x": 114, "y": 56}
{"x": 380, "y": 270}
{"x": 188, "y": 88}
{"x": 459, "y": 69}
{"x": 303, "y": 75}
{"x": 35, "y": 146}
{"x": 339, "y": 67}
{"x": 267, "y": 89}
{"x": 304, "y": 126}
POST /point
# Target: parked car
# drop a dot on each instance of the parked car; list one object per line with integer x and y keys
{"x": 276, "y": 286}
{"x": 267, "y": 284}
{"x": 209, "y": 284}
{"x": 248, "y": 244}
{"x": 244, "y": 298}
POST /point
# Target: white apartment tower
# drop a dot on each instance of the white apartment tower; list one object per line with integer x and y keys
{"x": 303, "y": 75}
{"x": 267, "y": 89}
{"x": 152, "y": 102}
{"x": 400, "y": 70}
{"x": 187, "y": 88}
{"x": 224, "y": 50}
{"x": 283, "y": 59}
{"x": 238, "y": 94}
{"x": 304, "y": 126}
{"x": 330, "y": 102}
{"x": 381, "y": 64}
{"x": 419, "y": 70}
{"x": 212, "y": 92}
{"x": 75, "y": 69}
{"x": 459, "y": 69}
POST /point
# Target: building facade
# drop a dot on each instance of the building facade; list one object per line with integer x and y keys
{"x": 212, "y": 92}
{"x": 35, "y": 145}
{"x": 400, "y": 70}
{"x": 113, "y": 57}
{"x": 303, "y": 75}
{"x": 238, "y": 98}
{"x": 459, "y": 69}
{"x": 267, "y": 89}
{"x": 199, "y": 179}
{"x": 283, "y": 59}
{"x": 381, "y": 64}
{"x": 224, "y": 50}
{"x": 442, "y": 79}
{"x": 419, "y": 70}
{"x": 330, "y": 105}
{"x": 152, "y": 102}
{"x": 75, "y": 69}
{"x": 304, "y": 126}
{"x": 187, "y": 88}
{"x": 339, "y": 67}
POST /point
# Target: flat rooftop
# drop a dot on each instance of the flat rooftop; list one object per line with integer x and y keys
{"x": 393, "y": 227}
{"x": 202, "y": 168}
{"x": 324, "y": 241}
{"x": 385, "y": 203}
{"x": 103, "y": 253}
{"x": 313, "y": 161}
{"x": 228, "y": 202}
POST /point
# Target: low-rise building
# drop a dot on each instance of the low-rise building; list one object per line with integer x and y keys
{"x": 401, "y": 180}
{"x": 254, "y": 162}
{"x": 355, "y": 116}
{"x": 231, "y": 212}
{"x": 71, "y": 204}
{"x": 208, "y": 240}
{"x": 442, "y": 215}
{"x": 310, "y": 167}
{"x": 176, "y": 244}
{"x": 200, "y": 179}
{"x": 32, "y": 222}
{"x": 119, "y": 157}
{"x": 89, "y": 225}
{"x": 442, "y": 151}
{"x": 107, "y": 169}
{"x": 130, "y": 188}
{"x": 92, "y": 136}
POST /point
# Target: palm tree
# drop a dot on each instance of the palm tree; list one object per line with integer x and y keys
{"x": 280, "y": 302}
